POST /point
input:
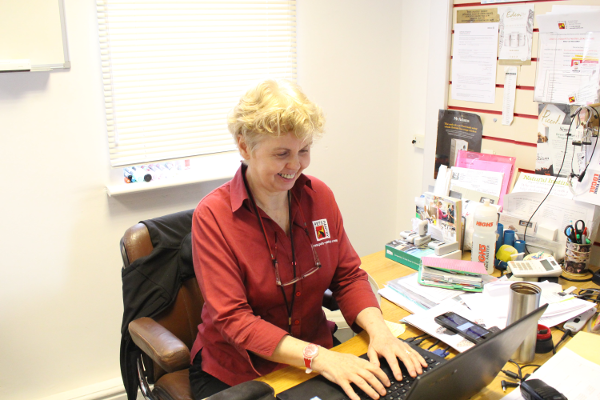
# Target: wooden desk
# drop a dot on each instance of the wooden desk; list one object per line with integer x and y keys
{"x": 383, "y": 270}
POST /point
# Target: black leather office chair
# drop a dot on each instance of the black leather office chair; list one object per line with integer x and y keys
{"x": 162, "y": 311}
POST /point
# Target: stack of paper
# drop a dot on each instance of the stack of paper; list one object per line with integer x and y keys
{"x": 497, "y": 170}
{"x": 493, "y": 303}
{"x": 410, "y": 295}
{"x": 424, "y": 320}
{"x": 489, "y": 308}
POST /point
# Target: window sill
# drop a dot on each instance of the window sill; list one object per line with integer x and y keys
{"x": 203, "y": 169}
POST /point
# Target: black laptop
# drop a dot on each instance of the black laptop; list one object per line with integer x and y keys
{"x": 455, "y": 379}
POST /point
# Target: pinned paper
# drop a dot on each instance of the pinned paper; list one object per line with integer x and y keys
{"x": 510, "y": 88}
{"x": 550, "y": 115}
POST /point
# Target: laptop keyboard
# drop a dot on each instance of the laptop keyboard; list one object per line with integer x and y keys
{"x": 319, "y": 388}
{"x": 399, "y": 389}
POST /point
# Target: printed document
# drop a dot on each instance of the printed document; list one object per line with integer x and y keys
{"x": 568, "y": 69}
{"x": 474, "y": 62}
{"x": 510, "y": 89}
{"x": 555, "y": 148}
{"x": 541, "y": 184}
{"x": 570, "y": 374}
{"x": 488, "y": 182}
{"x": 555, "y": 212}
{"x": 493, "y": 304}
{"x": 424, "y": 320}
{"x": 516, "y": 34}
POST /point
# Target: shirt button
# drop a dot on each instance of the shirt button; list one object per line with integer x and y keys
{"x": 298, "y": 294}
{"x": 297, "y": 322}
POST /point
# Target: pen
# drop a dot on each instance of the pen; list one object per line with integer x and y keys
{"x": 584, "y": 236}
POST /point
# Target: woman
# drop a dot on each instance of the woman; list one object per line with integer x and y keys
{"x": 266, "y": 246}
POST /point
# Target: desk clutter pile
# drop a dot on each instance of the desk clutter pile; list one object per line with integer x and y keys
{"x": 524, "y": 231}
{"x": 531, "y": 216}
{"x": 488, "y": 308}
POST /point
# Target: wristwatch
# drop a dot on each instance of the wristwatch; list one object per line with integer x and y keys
{"x": 309, "y": 353}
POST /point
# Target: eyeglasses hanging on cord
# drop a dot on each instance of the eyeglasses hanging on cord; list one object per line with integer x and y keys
{"x": 589, "y": 131}
{"x": 585, "y": 137}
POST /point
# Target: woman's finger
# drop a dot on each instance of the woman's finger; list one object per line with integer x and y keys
{"x": 375, "y": 379}
{"x": 348, "y": 390}
{"x": 373, "y": 356}
{"x": 366, "y": 387}
{"x": 412, "y": 360}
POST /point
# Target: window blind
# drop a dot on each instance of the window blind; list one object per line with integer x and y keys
{"x": 173, "y": 69}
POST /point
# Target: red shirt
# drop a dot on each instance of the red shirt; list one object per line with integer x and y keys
{"x": 244, "y": 309}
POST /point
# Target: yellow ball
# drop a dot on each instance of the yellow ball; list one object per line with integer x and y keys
{"x": 504, "y": 253}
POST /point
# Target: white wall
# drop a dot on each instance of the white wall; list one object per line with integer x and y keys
{"x": 60, "y": 287}
{"x": 414, "y": 49}
{"x": 349, "y": 63}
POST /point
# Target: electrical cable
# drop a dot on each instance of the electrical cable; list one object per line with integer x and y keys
{"x": 434, "y": 344}
{"x": 567, "y": 333}
{"x": 555, "y": 179}
{"x": 508, "y": 384}
{"x": 537, "y": 366}
{"x": 418, "y": 342}
{"x": 412, "y": 339}
{"x": 594, "y": 149}
{"x": 515, "y": 375}
{"x": 510, "y": 374}
{"x": 518, "y": 368}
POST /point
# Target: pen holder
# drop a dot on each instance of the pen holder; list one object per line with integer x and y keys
{"x": 577, "y": 257}
{"x": 509, "y": 237}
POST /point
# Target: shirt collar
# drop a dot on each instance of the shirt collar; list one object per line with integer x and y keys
{"x": 239, "y": 194}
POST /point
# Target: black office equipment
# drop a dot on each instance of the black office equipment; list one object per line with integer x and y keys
{"x": 458, "y": 378}
{"x": 535, "y": 389}
{"x": 469, "y": 330}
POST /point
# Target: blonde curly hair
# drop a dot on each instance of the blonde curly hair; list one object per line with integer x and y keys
{"x": 275, "y": 108}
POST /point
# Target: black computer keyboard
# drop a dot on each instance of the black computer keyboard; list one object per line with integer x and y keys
{"x": 320, "y": 388}
{"x": 398, "y": 389}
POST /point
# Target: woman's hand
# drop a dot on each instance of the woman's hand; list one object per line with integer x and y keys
{"x": 344, "y": 369}
{"x": 384, "y": 344}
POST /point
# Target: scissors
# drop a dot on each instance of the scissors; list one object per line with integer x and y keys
{"x": 574, "y": 232}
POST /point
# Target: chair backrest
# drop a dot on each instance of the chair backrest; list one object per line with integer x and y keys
{"x": 184, "y": 315}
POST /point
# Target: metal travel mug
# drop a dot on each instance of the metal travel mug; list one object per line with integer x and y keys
{"x": 524, "y": 297}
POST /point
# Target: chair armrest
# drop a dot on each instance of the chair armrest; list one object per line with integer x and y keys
{"x": 251, "y": 390}
{"x": 164, "y": 348}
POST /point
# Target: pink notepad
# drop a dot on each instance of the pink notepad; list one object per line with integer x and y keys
{"x": 472, "y": 267}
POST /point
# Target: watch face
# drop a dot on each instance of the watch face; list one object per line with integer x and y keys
{"x": 311, "y": 351}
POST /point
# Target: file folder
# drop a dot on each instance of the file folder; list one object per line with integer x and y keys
{"x": 451, "y": 274}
